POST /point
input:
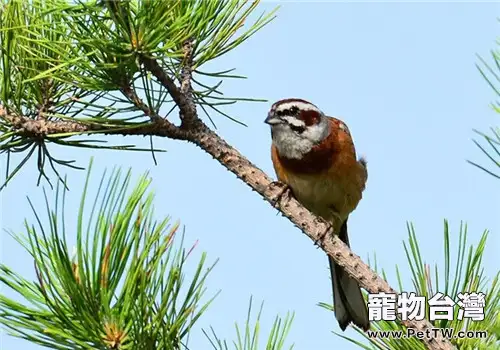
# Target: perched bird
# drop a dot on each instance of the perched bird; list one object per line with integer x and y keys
{"x": 314, "y": 155}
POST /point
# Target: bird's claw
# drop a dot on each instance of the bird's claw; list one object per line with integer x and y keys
{"x": 330, "y": 229}
{"x": 285, "y": 190}
{"x": 321, "y": 237}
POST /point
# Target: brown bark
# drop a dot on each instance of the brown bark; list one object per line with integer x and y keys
{"x": 195, "y": 131}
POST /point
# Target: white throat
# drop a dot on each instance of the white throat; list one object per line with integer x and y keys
{"x": 293, "y": 145}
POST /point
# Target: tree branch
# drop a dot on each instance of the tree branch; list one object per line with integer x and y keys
{"x": 138, "y": 103}
{"x": 195, "y": 131}
{"x": 43, "y": 128}
{"x": 187, "y": 109}
{"x": 186, "y": 87}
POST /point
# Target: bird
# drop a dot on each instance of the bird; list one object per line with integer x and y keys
{"x": 314, "y": 156}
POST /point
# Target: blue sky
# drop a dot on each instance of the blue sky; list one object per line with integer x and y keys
{"x": 402, "y": 77}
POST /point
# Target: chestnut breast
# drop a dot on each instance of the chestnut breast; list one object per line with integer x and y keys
{"x": 328, "y": 178}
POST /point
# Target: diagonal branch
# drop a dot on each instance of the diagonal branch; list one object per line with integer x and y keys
{"x": 313, "y": 226}
{"x": 195, "y": 131}
{"x": 187, "y": 109}
{"x": 138, "y": 103}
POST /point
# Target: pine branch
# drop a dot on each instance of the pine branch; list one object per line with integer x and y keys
{"x": 107, "y": 58}
{"x": 197, "y": 132}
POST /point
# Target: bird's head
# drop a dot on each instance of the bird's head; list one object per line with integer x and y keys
{"x": 296, "y": 127}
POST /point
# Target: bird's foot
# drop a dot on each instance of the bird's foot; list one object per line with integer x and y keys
{"x": 330, "y": 228}
{"x": 285, "y": 190}
{"x": 319, "y": 240}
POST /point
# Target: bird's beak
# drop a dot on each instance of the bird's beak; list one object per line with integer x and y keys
{"x": 273, "y": 119}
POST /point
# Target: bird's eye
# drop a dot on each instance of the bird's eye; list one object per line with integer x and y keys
{"x": 294, "y": 110}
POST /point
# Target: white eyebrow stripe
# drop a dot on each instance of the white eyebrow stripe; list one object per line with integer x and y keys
{"x": 300, "y": 105}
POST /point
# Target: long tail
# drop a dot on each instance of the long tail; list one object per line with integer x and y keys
{"x": 350, "y": 306}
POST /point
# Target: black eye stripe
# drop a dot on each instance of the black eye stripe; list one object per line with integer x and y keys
{"x": 298, "y": 129}
{"x": 290, "y": 111}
